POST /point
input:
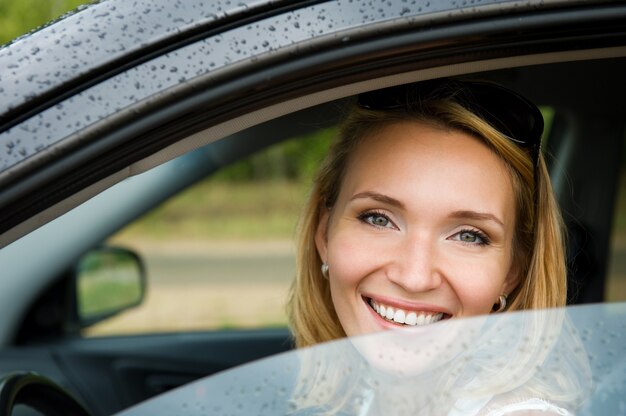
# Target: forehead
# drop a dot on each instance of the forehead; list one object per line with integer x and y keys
{"x": 409, "y": 158}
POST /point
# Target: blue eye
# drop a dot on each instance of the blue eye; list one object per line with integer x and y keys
{"x": 376, "y": 219}
{"x": 468, "y": 237}
{"x": 472, "y": 237}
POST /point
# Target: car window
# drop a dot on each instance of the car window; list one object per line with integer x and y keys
{"x": 561, "y": 361}
{"x": 220, "y": 254}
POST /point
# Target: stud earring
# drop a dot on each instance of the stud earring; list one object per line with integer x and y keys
{"x": 499, "y": 307}
{"x": 325, "y": 270}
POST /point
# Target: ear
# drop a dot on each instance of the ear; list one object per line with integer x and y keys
{"x": 321, "y": 240}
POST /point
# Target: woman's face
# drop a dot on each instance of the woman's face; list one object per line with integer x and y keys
{"x": 422, "y": 230}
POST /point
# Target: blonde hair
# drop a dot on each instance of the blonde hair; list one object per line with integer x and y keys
{"x": 538, "y": 256}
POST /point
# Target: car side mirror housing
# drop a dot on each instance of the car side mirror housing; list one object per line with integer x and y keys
{"x": 109, "y": 280}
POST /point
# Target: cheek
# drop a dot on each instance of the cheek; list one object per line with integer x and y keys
{"x": 349, "y": 261}
{"x": 478, "y": 284}
{"x": 351, "y": 265}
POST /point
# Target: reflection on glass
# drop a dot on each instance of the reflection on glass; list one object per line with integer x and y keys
{"x": 528, "y": 361}
{"x": 561, "y": 361}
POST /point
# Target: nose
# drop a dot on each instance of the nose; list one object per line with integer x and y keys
{"x": 414, "y": 267}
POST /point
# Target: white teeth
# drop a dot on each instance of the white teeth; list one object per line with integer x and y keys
{"x": 399, "y": 316}
{"x": 403, "y": 317}
{"x": 411, "y": 318}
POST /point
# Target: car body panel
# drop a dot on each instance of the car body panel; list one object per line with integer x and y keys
{"x": 98, "y": 40}
{"x": 78, "y": 153}
{"x": 228, "y": 74}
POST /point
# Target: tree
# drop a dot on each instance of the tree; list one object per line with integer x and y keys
{"x": 20, "y": 17}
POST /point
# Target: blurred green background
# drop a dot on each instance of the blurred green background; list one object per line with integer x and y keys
{"x": 259, "y": 198}
{"x": 21, "y": 16}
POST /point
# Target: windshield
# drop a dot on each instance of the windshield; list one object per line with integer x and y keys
{"x": 562, "y": 361}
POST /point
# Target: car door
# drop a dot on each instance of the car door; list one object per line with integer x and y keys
{"x": 207, "y": 72}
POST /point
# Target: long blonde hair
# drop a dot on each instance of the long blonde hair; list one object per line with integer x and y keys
{"x": 539, "y": 256}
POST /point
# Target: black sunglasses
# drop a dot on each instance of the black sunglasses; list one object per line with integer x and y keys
{"x": 508, "y": 112}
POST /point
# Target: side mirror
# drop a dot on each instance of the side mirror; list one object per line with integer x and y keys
{"x": 109, "y": 280}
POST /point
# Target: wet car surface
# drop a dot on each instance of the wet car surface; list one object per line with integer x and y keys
{"x": 118, "y": 107}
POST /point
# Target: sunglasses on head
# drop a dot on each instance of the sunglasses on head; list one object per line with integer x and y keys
{"x": 508, "y": 112}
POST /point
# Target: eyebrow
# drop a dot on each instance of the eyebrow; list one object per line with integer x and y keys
{"x": 462, "y": 214}
{"x": 480, "y": 216}
{"x": 385, "y": 199}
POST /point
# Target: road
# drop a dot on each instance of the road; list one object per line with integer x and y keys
{"x": 236, "y": 267}
{"x": 209, "y": 286}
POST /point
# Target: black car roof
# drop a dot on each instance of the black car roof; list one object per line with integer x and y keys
{"x": 98, "y": 41}
{"x": 161, "y": 71}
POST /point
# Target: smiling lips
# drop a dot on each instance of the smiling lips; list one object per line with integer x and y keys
{"x": 400, "y": 316}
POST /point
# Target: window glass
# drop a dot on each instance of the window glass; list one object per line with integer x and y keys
{"x": 221, "y": 254}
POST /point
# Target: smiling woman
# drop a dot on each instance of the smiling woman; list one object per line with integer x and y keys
{"x": 417, "y": 252}
{"x": 435, "y": 203}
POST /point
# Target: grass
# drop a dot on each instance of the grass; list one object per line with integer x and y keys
{"x": 219, "y": 210}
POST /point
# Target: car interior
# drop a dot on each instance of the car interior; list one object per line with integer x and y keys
{"x": 584, "y": 100}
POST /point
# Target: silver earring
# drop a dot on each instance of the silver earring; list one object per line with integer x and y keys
{"x": 325, "y": 270}
{"x": 499, "y": 307}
